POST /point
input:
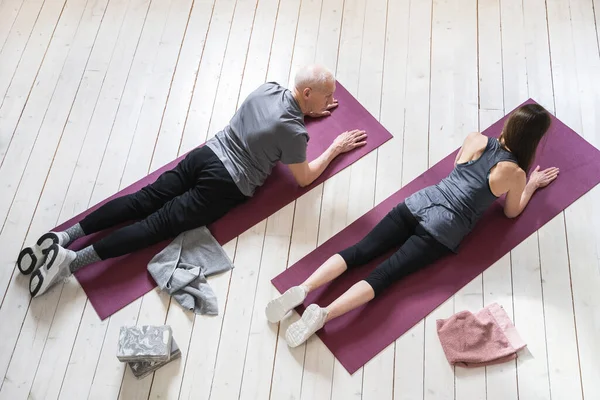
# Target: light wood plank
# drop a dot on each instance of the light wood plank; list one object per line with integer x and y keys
{"x": 140, "y": 80}
{"x": 305, "y": 46}
{"x": 539, "y": 78}
{"x": 9, "y": 10}
{"x": 157, "y": 95}
{"x": 262, "y": 340}
{"x": 109, "y": 371}
{"x": 532, "y": 365}
{"x": 198, "y": 120}
{"x": 160, "y": 78}
{"x": 410, "y": 347}
{"x": 259, "y": 48}
{"x": 596, "y": 8}
{"x": 532, "y": 373}
{"x": 393, "y": 98}
{"x": 234, "y": 335}
{"x": 513, "y": 53}
{"x": 334, "y": 206}
{"x": 561, "y": 342}
{"x": 501, "y": 379}
{"x": 202, "y": 352}
{"x": 226, "y": 97}
{"x": 442, "y": 125}
{"x": 83, "y": 358}
{"x": 305, "y": 230}
{"x": 287, "y": 367}
{"x": 438, "y": 381}
{"x": 491, "y": 99}
{"x": 418, "y": 83}
{"x": 532, "y": 376}
{"x": 453, "y": 113}
{"x": 563, "y": 352}
{"x": 587, "y": 66}
{"x": 284, "y": 38}
{"x": 585, "y": 278}
{"x": 171, "y": 130}
{"x": 469, "y": 383}
{"x": 583, "y": 244}
{"x": 330, "y": 26}
{"x": 378, "y": 375}
{"x": 17, "y": 22}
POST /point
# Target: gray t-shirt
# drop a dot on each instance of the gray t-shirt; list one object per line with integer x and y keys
{"x": 267, "y": 128}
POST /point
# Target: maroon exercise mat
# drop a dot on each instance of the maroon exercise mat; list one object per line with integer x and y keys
{"x": 112, "y": 284}
{"x": 358, "y": 336}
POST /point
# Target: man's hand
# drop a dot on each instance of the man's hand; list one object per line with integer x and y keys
{"x": 327, "y": 111}
{"x": 305, "y": 173}
{"x": 350, "y": 140}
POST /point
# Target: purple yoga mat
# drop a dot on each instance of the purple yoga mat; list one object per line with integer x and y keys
{"x": 112, "y": 284}
{"x": 361, "y": 334}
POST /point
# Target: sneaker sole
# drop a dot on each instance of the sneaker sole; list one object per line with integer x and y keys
{"x": 52, "y": 253}
{"x": 278, "y": 308}
{"x": 37, "y": 254}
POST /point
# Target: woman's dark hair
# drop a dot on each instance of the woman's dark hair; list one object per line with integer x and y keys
{"x": 523, "y": 131}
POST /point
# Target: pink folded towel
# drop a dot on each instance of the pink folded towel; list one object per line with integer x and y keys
{"x": 475, "y": 340}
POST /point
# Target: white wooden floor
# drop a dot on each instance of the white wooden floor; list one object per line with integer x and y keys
{"x": 95, "y": 94}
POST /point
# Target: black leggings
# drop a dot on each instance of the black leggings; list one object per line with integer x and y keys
{"x": 198, "y": 191}
{"x": 398, "y": 228}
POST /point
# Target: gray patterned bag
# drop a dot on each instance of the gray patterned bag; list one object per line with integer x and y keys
{"x": 144, "y": 343}
{"x": 141, "y": 369}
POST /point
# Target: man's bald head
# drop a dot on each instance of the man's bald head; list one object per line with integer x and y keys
{"x": 313, "y": 76}
{"x": 313, "y": 88}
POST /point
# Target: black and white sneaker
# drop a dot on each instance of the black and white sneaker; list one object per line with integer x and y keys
{"x": 31, "y": 258}
{"x": 54, "y": 269}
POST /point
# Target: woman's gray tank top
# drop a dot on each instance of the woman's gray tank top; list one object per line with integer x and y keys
{"x": 450, "y": 209}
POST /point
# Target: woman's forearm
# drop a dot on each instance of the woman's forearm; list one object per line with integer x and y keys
{"x": 528, "y": 192}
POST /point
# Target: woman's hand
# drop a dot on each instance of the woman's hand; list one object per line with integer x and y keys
{"x": 540, "y": 179}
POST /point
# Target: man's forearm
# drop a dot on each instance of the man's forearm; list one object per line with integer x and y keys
{"x": 318, "y": 165}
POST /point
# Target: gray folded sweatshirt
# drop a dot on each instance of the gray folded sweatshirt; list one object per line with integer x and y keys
{"x": 182, "y": 267}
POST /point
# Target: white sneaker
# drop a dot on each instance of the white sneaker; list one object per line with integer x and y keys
{"x": 312, "y": 320}
{"x": 55, "y": 268}
{"x": 279, "y": 307}
{"x": 31, "y": 258}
